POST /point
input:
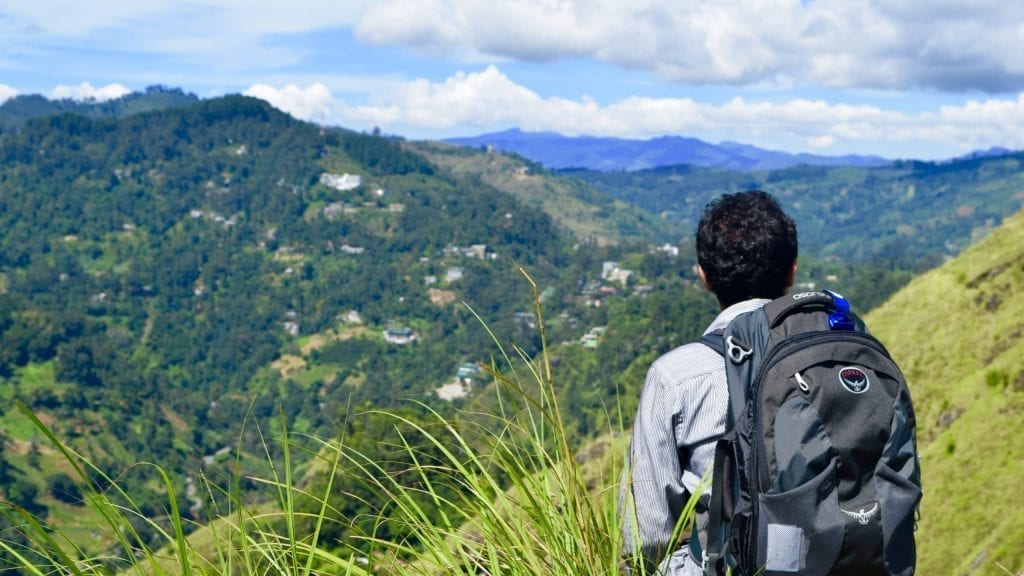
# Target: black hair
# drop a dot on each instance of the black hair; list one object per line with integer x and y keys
{"x": 746, "y": 245}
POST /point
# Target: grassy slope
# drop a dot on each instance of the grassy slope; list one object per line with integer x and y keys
{"x": 572, "y": 204}
{"x": 958, "y": 333}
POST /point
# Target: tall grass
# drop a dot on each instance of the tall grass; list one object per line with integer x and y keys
{"x": 498, "y": 494}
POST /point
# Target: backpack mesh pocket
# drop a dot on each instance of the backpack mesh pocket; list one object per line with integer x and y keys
{"x": 801, "y": 530}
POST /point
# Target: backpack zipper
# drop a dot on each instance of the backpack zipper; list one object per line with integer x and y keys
{"x": 801, "y": 383}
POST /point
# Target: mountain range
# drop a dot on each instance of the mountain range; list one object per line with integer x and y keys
{"x": 610, "y": 154}
{"x": 552, "y": 150}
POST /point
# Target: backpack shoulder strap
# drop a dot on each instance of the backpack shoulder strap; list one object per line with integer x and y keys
{"x": 714, "y": 340}
{"x": 712, "y": 559}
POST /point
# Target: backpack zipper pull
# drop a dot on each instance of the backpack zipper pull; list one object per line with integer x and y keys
{"x": 801, "y": 383}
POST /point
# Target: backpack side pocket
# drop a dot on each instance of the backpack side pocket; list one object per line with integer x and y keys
{"x": 801, "y": 530}
{"x": 897, "y": 484}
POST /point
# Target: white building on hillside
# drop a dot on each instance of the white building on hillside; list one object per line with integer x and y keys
{"x": 400, "y": 335}
{"x": 344, "y": 182}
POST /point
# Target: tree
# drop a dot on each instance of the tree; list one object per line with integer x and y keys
{"x": 24, "y": 493}
{"x": 63, "y": 488}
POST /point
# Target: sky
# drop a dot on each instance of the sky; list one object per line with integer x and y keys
{"x": 925, "y": 79}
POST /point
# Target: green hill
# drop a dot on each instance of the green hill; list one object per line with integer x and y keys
{"x": 15, "y": 112}
{"x": 171, "y": 279}
{"x": 913, "y": 214}
{"x": 588, "y": 214}
{"x": 958, "y": 334}
{"x": 154, "y": 267}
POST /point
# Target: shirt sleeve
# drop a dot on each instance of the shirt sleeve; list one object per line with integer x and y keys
{"x": 652, "y": 496}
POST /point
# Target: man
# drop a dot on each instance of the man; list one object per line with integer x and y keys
{"x": 746, "y": 253}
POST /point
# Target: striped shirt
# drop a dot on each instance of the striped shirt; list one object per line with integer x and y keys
{"x": 682, "y": 412}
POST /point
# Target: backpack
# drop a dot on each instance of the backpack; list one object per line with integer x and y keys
{"x": 818, "y": 470}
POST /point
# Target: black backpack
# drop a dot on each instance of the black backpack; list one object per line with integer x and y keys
{"x": 818, "y": 471}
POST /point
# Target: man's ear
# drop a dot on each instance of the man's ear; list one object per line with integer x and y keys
{"x": 703, "y": 278}
{"x": 791, "y": 278}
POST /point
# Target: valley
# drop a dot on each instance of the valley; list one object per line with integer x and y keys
{"x": 181, "y": 281}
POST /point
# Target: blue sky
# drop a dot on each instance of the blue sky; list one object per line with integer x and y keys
{"x": 897, "y": 78}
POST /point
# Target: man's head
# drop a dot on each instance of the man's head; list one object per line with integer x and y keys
{"x": 746, "y": 247}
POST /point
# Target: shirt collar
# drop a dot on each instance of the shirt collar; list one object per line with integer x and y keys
{"x": 725, "y": 316}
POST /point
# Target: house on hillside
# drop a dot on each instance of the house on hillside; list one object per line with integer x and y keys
{"x": 525, "y": 319}
{"x": 452, "y": 391}
{"x": 612, "y": 272}
{"x": 643, "y": 289}
{"x": 476, "y": 251}
{"x": 566, "y": 319}
{"x": 607, "y": 267}
{"x": 590, "y": 287}
{"x": 466, "y": 375}
{"x": 467, "y": 371}
{"x": 334, "y": 209}
{"x": 593, "y": 336}
{"x": 351, "y": 317}
{"x": 669, "y": 249}
{"x": 344, "y": 182}
{"x": 401, "y": 336}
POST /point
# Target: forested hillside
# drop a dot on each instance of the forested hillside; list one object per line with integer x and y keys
{"x": 153, "y": 268}
{"x": 958, "y": 334}
{"x": 15, "y": 112}
{"x": 171, "y": 281}
{"x": 909, "y": 215}
{"x": 588, "y": 214}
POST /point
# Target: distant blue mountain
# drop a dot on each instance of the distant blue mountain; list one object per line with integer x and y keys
{"x": 610, "y": 154}
{"x": 990, "y": 153}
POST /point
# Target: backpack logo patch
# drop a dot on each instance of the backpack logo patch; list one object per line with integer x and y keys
{"x": 854, "y": 379}
{"x": 862, "y": 516}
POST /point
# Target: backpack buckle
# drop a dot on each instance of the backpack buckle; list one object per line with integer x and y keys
{"x": 710, "y": 564}
{"x": 737, "y": 353}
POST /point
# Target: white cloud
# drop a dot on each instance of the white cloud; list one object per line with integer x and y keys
{"x": 86, "y": 91}
{"x": 489, "y": 100}
{"x": 484, "y": 98}
{"x": 945, "y": 45}
{"x": 821, "y": 143}
{"x": 315, "y": 103}
{"x": 66, "y": 17}
{"x": 6, "y": 93}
